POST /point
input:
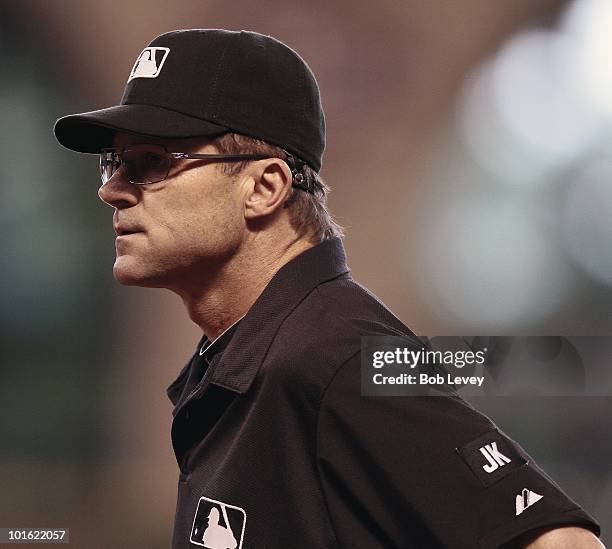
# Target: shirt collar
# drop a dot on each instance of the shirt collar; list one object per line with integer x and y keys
{"x": 209, "y": 348}
{"x": 204, "y": 348}
{"x": 244, "y": 354}
{"x": 253, "y": 335}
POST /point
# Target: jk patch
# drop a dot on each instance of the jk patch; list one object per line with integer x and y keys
{"x": 492, "y": 456}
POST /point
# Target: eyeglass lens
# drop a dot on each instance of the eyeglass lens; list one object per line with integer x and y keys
{"x": 141, "y": 163}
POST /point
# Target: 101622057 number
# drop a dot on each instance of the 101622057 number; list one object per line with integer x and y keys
{"x": 36, "y": 534}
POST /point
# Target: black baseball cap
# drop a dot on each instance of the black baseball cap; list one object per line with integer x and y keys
{"x": 206, "y": 82}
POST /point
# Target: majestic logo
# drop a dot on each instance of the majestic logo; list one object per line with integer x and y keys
{"x": 149, "y": 63}
{"x": 494, "y": 457}
{"x": 218, "y": 525}
{"x": 526, "y": 499}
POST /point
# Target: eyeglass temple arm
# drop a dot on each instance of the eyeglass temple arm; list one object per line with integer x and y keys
{"x": 299, "y": 181}
{"x": 203, "y": 156}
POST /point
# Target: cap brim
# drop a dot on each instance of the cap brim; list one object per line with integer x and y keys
{"x": 89, "y": 132}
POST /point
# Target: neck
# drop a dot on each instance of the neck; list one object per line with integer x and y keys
{"x": 218, "y": 299}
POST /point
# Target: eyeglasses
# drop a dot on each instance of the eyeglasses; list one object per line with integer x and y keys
{"x": 144, "y": 164}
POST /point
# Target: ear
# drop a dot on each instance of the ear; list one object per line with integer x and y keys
{"x": 270, "y": 187}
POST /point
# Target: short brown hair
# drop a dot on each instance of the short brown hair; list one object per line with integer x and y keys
{"x": 309, "y": 215}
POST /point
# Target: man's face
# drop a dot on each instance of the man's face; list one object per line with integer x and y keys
{"x": 186, "y": 226}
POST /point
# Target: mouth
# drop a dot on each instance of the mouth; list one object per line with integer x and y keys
{"x": 124, "y": 231}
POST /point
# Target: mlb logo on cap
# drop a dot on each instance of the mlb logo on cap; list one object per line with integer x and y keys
{"x": 149, "y": 63}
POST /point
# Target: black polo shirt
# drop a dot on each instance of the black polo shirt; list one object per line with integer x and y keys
{"x": 278, "y": 449}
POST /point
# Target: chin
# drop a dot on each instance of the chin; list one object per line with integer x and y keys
{"x": 129, "y": 279}
{"x": 131, "y": 275}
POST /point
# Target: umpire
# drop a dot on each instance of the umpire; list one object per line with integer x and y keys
{"x": 211, "y": 164}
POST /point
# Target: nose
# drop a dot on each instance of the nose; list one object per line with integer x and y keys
{"x": 118, "y": 192}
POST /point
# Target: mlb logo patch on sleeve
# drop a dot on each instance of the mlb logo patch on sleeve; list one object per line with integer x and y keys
{"x": 492, "y": 456}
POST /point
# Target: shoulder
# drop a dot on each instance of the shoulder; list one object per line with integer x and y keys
{"x": 333, "y": 318}
{"x": 324, "y": 331}
{"x": 342, "y": 311}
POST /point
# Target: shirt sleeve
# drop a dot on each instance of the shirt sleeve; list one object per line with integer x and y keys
{"x": 428, "y": 471}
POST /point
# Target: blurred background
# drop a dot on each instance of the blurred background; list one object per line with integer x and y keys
{"x": 470, "y": 157}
